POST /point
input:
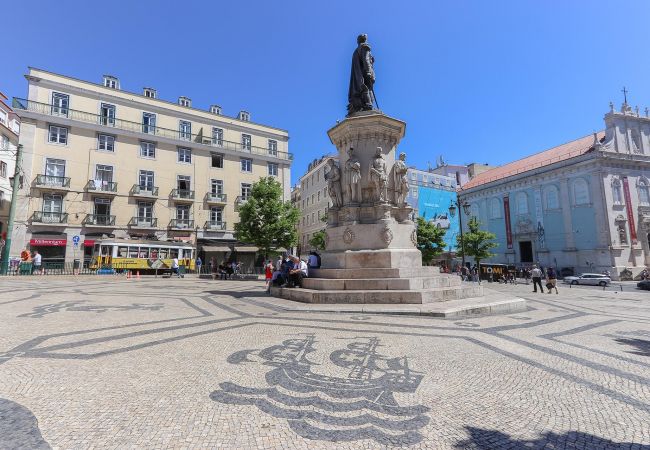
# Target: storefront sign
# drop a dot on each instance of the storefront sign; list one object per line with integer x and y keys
{"x": 88, "y": 243}
{"x": 47, "y": 242}
{"x": 628, "y": 207}
{"x": 506, "y": 211}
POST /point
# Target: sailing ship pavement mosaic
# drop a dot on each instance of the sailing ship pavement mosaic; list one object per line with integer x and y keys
{"x": 199, "y": 363}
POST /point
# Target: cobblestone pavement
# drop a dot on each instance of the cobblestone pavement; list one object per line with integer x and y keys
{"x": 187, "y": 363}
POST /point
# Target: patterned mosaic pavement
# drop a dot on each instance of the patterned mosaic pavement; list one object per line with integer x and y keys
{"x": 188, "y": 363}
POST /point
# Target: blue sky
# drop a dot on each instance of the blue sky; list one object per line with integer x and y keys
{"x": 484, "y": 81}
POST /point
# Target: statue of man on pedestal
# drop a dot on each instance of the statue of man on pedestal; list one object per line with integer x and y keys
{"x": 362, "y": 78}
{"x": 352, "y": 179}
{"x": 400, "y": 180}
{"x": 379, "y": 177}
{"x": 333, "y": 177}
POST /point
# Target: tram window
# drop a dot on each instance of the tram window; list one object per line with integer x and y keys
{"x": 133, "y": 252}
{"x": 188, "y": 254}
{"x": 163, "y": 253}
{"x": 96, "y": 249}
{"x": 106, "y": 250}
{"x": 122, "y": 252}
{"x": 173, "y": 253}
{"x": 154, "y": 253}
{"x": 144, "y": 252}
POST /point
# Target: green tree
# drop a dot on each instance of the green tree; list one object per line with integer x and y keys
{"x": 265, "y": 220}
{"x": 318, "y": 239}
{"x": 476, "y": 243}
{"x": 431, "y": 240}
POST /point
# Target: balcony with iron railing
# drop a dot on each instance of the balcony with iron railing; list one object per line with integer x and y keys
{"x": 105, "y": 187}
{"x": 240, "y": 200}
{"x": 181, "y": 224}
{"x": 219, "y": 198}
{"x": 52, "y": 182}
{"x": 182, "y": 195}
{"x": 47, "y": 217}
{"x": 143, "y": 222}
{"x": 214, "y": 225}
{"x": 136, "y": 127}
{"x": 144, "y": 191}
{"x": 99, "y": 220}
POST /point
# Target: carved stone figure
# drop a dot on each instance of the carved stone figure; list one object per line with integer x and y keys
{"x": 400, "y": 180}
{"x": 333, "y": 177}
{"x": 378, "y": 176}
{"x": 622, "y": 234}
{"x": 362, "y": 78}
{"x": 352, "y": 179}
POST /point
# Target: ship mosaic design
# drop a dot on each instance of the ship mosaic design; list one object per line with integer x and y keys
{"x": 360, "y": 405}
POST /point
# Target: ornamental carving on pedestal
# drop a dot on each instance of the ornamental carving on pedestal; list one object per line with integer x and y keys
{"x": 387, "y": 235}
{"x": 414, "y": 237}
{"x": 326, "y": 239}
{"x": 348, "y": 236}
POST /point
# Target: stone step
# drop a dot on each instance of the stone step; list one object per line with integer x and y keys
{"x": 402, "y": 272}
{"x": 378, "y": 296}
{"x": 374, "y": 284}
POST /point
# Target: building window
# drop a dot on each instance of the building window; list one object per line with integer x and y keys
{"x": 60, "y": 104}
{"x": 183, "y": 182}
{"x": 106, "y": 142}
{"x": 52, "y": 208}
{"x": 580, "y": 192}
{"x": 307, "y": 201}
{"x": 273, "y": 147}
{"x": 246, "y": 189}
{"x": 147, "y": 149}
{"x": 185, "y": 155}
{"x": 217, "y": 160}
{"x": 318, "y": 196}
{"x": 551, "y": 198}
{"x": 495, "y": 209}
{"x": 414, "y": 192}
{"x": 111, "y": 82}
{"x": 246, "y": 142}
{"x": 103, "y": 176}
{"x": 644, "y": 192}
{"x": 273, "y": 169}
{"x": 102, "y": 211}
{"x": 521, "y": 203}
{"x": 182, "y": 214}
{"x": 146, "y": 180}
{"x": 217, "y": 136}
{"x": 107, "y": 115}
{"x": 216, "y": 187}
{"x": 303, "y": 222}
{"x": 149, "y": 123}
{"x": 245, "y": 116}
{"x": 246, "y": 165}
{"x": 216, "y": 214}
{"x": 149, "y": 93}
{"x": 3, "y": 117}
{"x": 303, "y": 204}
{"x": 145, "y": 212}
{"x": 3, "y": 169}
{"x": 184, "y": 101}
{"x": 185, "y": 130}
{"x": 58, "y": 135}
{"x": 313, "y": 220}
{"x": 215, "y": 109}
{"x": 617, "y": 192}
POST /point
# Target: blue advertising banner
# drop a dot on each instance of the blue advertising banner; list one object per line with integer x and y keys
{"x": 433, "y": 206}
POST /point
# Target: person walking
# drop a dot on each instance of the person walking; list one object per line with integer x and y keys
{"x": 537, "y": 279}
{"x": 175, "y": 267}
{"x": 552, "y": 280}
{"x": 199, "y": 263}
{"x": 36, "y": 263}
{"x": 268, "y": 274}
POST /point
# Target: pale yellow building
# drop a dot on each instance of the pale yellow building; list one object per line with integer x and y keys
{"x": 100, "y": 161}
{"x": 9, "y": 131}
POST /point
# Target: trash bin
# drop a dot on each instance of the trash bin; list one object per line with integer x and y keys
{"x": 25, "y": 268}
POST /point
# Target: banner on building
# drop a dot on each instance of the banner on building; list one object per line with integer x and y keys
{"x": 506, "y": 211}
{"x": 539, "y": 215}
{"x": 628, "y": 207}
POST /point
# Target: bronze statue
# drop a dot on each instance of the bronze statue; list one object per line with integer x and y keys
{"x": 362, "y": 78}
{"x": 400, "y": 180}
{"x": 352, "y": 179}
{"x": 333, "y": 177}
{"x": 378, "y": 176}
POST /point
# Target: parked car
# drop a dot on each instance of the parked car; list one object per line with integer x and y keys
{"x": 645, "y": 285}
{"x": 594, "y": 279}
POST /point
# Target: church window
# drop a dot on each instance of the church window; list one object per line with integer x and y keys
{"x": 495, "y": 209}
{"x": 644, "y": 192}
{"x": 474, "y": 210}
{"x": 580, "y": 192}
{"x": 551, "y": 198}
{"x": 521, "y": 203}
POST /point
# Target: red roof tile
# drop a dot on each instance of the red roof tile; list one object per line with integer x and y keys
{"x": 545, "y": 158}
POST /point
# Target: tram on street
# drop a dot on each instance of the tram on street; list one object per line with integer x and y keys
{"x": 141, "y": 255}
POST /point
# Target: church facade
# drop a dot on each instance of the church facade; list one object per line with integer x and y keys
{"x": 583, "y": 206}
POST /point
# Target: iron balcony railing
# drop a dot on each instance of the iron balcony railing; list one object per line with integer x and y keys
{"x": 181, "y": 224}
{"x": 99, "y": 219}
{"x": 136, "y": 127}
{"x": 52, "y": 181}
{"x": 182, "y": 194}
{"x": 149, "y": 191}
{"x": 240, "y": 201}
{"x": 214, "y": 225}
{"x": 211, "y": 197}
{"x": 143, "y": 222}
{"x": 49, "y": 217}
{"x": 102, "y": 186}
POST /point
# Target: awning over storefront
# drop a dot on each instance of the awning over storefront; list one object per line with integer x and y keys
{"x": 89, "y": 242}
{"x": 246, "y": 249}
{"x": 47, "y": 242}
{"x": 216, "y": 248}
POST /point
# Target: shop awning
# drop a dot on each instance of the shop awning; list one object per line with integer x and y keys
{"x": 216, "y": 248}
{"x": 246, "y": 249}
{"x": 89, "y": 242}
{"x": 47, "y": 242}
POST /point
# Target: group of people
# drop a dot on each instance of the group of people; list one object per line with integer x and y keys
{"x": 537, "y": 274}
{"x": 36, "y": 259}
{"x": 225, "y": 270}
{"x": 289, "y": 271}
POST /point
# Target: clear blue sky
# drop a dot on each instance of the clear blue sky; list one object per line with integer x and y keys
{"x": 486, "y": 81}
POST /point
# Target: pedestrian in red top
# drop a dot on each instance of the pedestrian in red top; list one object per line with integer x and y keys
{"x": 268, "y": 274}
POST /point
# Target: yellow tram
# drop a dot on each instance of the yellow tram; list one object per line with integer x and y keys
{"x": 124, "y": 254}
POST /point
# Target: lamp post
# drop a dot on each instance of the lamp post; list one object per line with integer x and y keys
{"x": 456, "y": 204}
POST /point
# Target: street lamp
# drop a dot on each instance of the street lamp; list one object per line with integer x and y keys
{"x": 452, "y": 212}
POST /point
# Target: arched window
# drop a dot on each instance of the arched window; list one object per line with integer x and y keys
{"x": 495, "y": 209}
{"x": 521, "y": 203}
{"x": 551, "y": 198}
{"x": 617, "y": 191}
{"x": 580, "y": 192}
{"x": 473, "y": 210}
{"x": 644, "y": 191}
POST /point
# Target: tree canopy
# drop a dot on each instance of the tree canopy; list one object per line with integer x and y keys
{"x": 430, "y": 240}
{"x": 476, "y": 243}
{"x": 265, "y": 220}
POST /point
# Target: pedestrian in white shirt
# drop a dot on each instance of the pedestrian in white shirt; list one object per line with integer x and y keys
{"x": 36, "y": 263}
{"x": 536, "y": 274}
{"x": 175, "y": 267}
